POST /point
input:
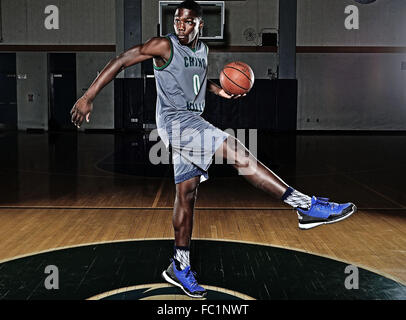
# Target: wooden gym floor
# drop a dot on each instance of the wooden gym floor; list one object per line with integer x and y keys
{"x": 62, "y": 190}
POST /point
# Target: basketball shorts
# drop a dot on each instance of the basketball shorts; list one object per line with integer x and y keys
{"x": 194, "y": 142}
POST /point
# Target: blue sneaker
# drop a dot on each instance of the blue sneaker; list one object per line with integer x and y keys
{"x": 323, "y": 212}
{"x": 184, "y": 279}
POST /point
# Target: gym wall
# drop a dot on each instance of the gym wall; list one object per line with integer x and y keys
{"x": 32, "y": 114}
{"x": 351, "y": 91}
{"x": 337, "y": 91}
{"x": 321, "y": 23}
{"x": 81, "y": 23}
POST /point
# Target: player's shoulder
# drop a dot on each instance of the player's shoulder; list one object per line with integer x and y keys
{"x": 159, "y": 41}
{"x": 156, "y": 46}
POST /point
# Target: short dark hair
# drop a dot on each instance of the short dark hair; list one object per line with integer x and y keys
{"x": 191, "y": 5}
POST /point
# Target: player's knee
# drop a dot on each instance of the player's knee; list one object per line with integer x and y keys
{"x": 236, "y": 153}
{"x": 230, "y": 148}
{"x": 186, "y": 195}
{"x": 242, "y": 162}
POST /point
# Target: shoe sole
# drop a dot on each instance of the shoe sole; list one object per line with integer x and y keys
{"x": 171, "y": 281}
{"x": 307, "y": 226}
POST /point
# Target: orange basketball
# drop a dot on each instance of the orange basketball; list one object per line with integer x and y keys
{"x": 237, "y": 78}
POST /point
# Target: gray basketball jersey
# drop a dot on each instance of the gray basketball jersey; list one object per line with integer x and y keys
{"x": 181, "y": 84}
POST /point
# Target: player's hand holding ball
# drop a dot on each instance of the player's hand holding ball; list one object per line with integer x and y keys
{"x": 236, "y": 79}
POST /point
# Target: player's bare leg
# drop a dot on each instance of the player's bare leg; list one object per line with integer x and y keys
{"x": 182, "y": 219}
{"x": 250, "y": 168}
{"x": 312, "y": 211}
{"x": 179, "y": 273}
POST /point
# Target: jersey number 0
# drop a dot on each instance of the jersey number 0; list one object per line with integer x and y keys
{"x": 196, "y": 84}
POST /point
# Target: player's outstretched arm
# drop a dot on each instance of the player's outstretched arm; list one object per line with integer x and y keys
{"x": 158, "y": 48}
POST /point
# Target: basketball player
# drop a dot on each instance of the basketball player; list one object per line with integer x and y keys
{"x": 180, "y": 67}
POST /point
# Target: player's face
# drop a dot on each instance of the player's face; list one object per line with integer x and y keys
{"x": 186, "y": 25}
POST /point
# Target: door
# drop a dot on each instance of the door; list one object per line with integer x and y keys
{"x": 8, "y": 91}
{"x": 62, "y": 90}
